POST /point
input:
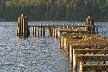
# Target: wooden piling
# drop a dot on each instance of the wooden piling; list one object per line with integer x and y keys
{"x": 34, "y": 31}
{"x": 56, "y": 32}
{"x": 22, "y": 27}
{"x": 38, "y": 32}
{"x": 71, "y": 54}
{"x": 62, "y": 42}
{"x": 41, "y": 29}
{"x": 74, "y": 61}
{"x": 47, "y": 31}
{"x": 50, "y": 33}
{"x": 53, "y": 29}
{"x": 81, "y": 67}
{"x": 65, "y": 45}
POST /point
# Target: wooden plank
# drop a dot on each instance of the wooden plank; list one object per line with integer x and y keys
{"x": 87, "y": 45}
{"x": 90, "y": 67}
{"x": 94, "y": 51}
{"x": 91, "y": 57}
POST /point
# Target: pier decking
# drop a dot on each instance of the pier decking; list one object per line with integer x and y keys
{"x": 81, "y": 43}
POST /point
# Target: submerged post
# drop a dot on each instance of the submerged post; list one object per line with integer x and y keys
{"x": 22, "y": 27}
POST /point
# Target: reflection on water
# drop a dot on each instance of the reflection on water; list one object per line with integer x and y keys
{"x": 32, "y": 54}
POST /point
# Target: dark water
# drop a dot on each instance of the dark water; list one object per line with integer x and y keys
{"x": 34, "y": 54}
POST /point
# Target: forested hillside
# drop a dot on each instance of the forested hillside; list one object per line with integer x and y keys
{"x": 70, "y": 10}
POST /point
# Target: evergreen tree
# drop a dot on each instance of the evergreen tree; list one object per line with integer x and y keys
{"x": 74, "y": 10}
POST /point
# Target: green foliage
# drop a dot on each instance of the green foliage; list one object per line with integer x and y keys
{"x": 72, "y": 10}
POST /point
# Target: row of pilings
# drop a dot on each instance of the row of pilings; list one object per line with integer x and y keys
{"x": 43, "y": 30}
{"x": 24, "y": 30}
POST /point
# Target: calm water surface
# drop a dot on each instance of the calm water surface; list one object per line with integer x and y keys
{"x": 34, "y": 54}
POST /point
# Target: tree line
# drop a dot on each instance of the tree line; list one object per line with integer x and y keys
{"x": 51, "y": 10}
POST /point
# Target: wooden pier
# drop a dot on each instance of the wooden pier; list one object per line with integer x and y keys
{"x": 88, "y": 51}
{"x": 81, "y": 43}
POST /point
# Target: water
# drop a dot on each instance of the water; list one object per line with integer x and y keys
{"x": 34, "y": 54}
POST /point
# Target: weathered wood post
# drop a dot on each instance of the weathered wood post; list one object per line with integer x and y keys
{"x": 40, "y": 29}
{"x": 71, "y": 53}
{"x": 74, "y": 61}
{"x": 43, "y": 31}
{"x": 66, "y": 45}
{"x": 53, "y": 29}
{"x": 34, "y": 31}
{"x": 47, "y": 31}
{"x": 87, "y": 23}
{"x": 56, "y": 32}
{"x": 23, "y": 28}
{"x": 90, "y": 23}
{"x": 62, "y": 41}
{"x": 81, "y": 69}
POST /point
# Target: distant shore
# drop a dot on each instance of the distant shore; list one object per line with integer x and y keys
{"x": 2, "y": 20}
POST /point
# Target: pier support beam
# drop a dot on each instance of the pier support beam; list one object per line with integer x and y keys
{"x": 38, "y": 31}
{"x": 74, "y": 61}
{"x": 71, "y": 54}
{"x": 58, "y": 32}
{"x": 62, "y": 41}
{"x": 34, "y": 31}
{"x": 81, "y": 69}
{"x": 47, "y": 31}
{"x": 41, "y": 29}
{"x": 53, "y": 29}
{"x": 65, "y": 46}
